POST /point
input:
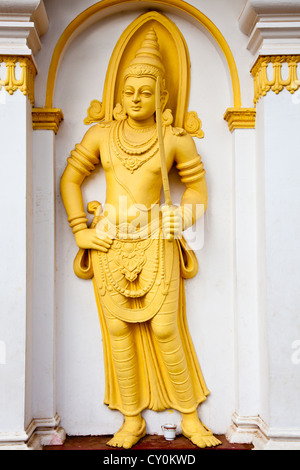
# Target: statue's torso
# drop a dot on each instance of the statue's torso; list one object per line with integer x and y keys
{"x": 133, "y": 181}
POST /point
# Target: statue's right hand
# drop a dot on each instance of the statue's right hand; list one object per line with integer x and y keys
{"x": 89, "y": 240}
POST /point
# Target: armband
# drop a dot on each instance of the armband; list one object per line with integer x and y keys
{"x": 192, "y": 171}
{"x": 83, "y": 160}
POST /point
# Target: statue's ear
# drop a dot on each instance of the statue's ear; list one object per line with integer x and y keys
{"x": 164, "y": 99}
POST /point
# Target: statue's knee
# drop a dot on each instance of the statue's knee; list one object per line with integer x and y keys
{"x": 117, "y": 328}
{"x": 164, "y": 332}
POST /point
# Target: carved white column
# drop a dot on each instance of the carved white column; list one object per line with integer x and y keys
{"x": 242, "y": 125}
{"x": 22, "y": 22}
{"x": 44, "y": 358}
{"x": 273, "y": 29}
{"x": 16, "y": 283}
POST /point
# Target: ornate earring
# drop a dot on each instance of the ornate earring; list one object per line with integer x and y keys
{"x": 167, "y": 117}
{"x": 119, "y": 112}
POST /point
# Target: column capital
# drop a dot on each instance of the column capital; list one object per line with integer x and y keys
{"x": 240, "y": 118}
{"x": 22, "y": 23}
{"x": 47, "y": 119}
{"x": 273, "y": 27}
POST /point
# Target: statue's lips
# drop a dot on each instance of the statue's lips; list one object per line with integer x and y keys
{"x": 136, "y": 108}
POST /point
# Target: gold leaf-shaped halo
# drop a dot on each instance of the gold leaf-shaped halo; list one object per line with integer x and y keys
{"x": 193, "y": 125}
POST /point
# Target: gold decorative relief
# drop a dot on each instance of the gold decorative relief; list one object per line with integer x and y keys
{"x": 240, "y": 118}
{"x": 193, "y": 125}
{"x": 95, "y": 112}
{"x": 265, "y": 80}
{"x": 46, "y": 119}
{"x": 26, "y": 81}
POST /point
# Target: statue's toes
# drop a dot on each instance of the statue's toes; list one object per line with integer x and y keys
{"x": 113, "y": 442}
{"x": 198, "y": 441}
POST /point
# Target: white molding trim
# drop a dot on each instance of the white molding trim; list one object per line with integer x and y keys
{"x": 275, "y": 37}
{"x": 19, "y": 38}
{"x": 40, "y": 432}
{"x": 45, "y": 431}
{"x": 253, "y": 430}
{"x": 244, "y": 429}
{"x": 21, "y": 25}
{"x": 13, "y": 440}
{"x": 272, "y": 28}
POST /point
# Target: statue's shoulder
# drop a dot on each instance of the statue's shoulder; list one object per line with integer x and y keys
{"x": 95, "y": 134}
{"x": 99, "y": 130}
{"x": 177, "y": 131}
{"x": 104, "y": 124}
{"x": 180, "y": 140}
{"x": 180, "y": 136}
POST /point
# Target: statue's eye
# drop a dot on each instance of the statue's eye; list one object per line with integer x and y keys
{"x": 147, "y": 93}
{"x": 128, "y": 92}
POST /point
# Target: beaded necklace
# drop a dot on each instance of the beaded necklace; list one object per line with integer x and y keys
{"x": 131, "y": 154}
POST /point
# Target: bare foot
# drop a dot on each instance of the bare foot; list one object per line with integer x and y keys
{"x": 198, "y": 433}
{"x": 132, "y": 430}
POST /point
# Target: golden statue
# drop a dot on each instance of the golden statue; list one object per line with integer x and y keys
{"x": 135, "y": 251}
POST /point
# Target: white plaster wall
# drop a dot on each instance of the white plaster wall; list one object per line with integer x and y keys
{"x": 210, "y": 296}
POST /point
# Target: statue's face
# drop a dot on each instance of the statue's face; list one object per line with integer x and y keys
{"x": 139, "y": 97}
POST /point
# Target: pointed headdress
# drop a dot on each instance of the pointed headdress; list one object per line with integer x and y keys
{"x": 148, "y": 59}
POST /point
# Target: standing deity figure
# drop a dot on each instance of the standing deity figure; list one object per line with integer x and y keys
{"x": 136, "y": 254}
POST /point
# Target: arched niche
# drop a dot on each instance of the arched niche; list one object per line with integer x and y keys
{"x": 108, "y": 7}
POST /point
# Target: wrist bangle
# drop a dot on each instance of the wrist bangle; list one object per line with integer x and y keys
{"x": 79, "y": 227}
{"x": 78, "y": 222}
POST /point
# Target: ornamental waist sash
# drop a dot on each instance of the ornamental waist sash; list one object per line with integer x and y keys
{"x": 133, "y": 277}
{"x": 131, "y": 255}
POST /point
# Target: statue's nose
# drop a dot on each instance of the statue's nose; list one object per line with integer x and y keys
{"x": 136, "y": 98}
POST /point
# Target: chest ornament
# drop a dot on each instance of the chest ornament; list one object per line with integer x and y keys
{"x": 133, "y": 154}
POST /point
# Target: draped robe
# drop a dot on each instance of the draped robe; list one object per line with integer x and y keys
{"x": 154, "y": 382}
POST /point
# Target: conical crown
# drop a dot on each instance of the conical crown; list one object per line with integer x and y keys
{"x": 148, "y": 59}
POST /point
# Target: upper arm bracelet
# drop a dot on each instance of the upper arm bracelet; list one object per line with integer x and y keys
{"x": 192, "y": 171}
{"x": 83, "y": 160}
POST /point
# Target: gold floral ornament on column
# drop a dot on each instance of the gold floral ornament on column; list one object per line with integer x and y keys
{"x": 268, "y": 76}
{"x": 26, "y": 81}
{"x": 134, "y": 249}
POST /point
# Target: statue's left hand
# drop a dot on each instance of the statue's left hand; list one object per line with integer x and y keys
{"x": 172, "y": 222}
{"x": 88, "y": 239}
